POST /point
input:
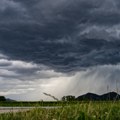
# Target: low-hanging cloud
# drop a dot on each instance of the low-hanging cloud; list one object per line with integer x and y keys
{"x": 20, "y": 80}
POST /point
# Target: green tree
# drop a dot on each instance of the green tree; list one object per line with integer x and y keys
{"x": 2, "y": 98}
{"x": 68, "y": 98}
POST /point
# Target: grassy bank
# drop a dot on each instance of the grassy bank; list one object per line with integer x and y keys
{"x": 78, "y": 111}
{"x": 34, "y": 104}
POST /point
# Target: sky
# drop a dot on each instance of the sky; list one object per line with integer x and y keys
{"x": 59, "y": 47}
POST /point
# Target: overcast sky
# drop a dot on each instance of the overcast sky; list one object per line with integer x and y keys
{"x": 61, "y": 47}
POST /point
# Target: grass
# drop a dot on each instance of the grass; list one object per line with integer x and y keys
{"x": 78, "y": 111}
{"x": 41, "y": 103}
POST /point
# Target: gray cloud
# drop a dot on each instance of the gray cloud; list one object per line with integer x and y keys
{"x": 12, "y": 12}
{"x": 63, "y": 11}
{"x": 22, "y": 70}
{"x": 93, "y": 11}
{"x": 19, "y": 80}
{"x": 44, "y": 40}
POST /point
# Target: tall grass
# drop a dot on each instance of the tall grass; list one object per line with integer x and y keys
{"x": 78, "y": 111}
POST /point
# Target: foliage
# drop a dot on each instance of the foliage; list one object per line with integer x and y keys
{"x": 79, "y": 111}
{"x": 2, "y": 98}
{"x": 68, "y": 98}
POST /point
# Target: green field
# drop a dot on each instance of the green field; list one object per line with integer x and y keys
{"x": 68, "y": 111}
{"x": 35, "y": 104}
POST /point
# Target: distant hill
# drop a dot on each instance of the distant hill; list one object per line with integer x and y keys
{"x": 110, "y": 96}
{"x": 9, "y": 100}
{"x": 92, "y": 96}
{"x": 88, "y": 96}
{"x": 2, "y": 98}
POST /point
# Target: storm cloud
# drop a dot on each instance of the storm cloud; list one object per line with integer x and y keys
{"x": 27, "y": 81}
{"x": 53, "y": 39}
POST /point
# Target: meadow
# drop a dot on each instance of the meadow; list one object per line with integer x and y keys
{"x": 90, "y": 110}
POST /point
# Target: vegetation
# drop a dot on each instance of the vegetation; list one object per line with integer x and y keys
{"x": 85, "y": 107}
{"x": 35, "y": 104}
{"x": 69, "y": 111}
{"x": 2, "y": 98}
{"x": 68, "y": 98}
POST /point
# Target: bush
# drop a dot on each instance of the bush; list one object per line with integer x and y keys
{"x": 2, "y": 98}
{"x": 68, "y": 98}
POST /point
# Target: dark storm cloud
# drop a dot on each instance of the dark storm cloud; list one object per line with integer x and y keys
{"x": 16, "y": 69}
{"x": 93, "y": 11}
{"x": 11, "y": 11}
{"x": 61, "y": 33}
{"x": 19, "y": 79}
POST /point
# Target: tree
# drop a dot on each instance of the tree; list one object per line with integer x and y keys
{"x": 2, "y": 98}
{"x": 68, "y": 98}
